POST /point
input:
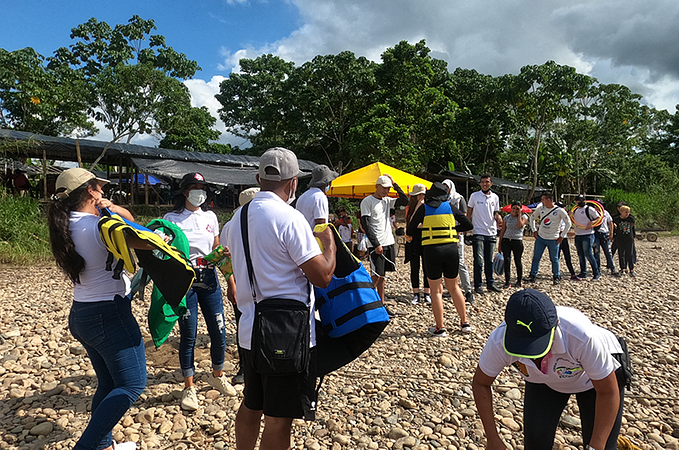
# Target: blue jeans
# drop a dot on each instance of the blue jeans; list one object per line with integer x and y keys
{"x": 111, "y": 336}
{"x": 584, "y": 244}
{"x": 539, "y": 249}
{"x": 601, "y": 242}
{"x": 209, "y": 298}
{"x": 484, "y": 249}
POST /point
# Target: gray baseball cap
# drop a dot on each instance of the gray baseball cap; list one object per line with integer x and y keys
{"x": 281, "y": 159}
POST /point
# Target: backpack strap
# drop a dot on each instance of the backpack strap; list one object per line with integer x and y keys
{"x": 246, "y": 247}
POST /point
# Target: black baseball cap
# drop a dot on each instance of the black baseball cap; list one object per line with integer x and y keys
{"x": 531, "y": 320}
{"x": 580, "y": 197}
{"x": 192, "y": 178}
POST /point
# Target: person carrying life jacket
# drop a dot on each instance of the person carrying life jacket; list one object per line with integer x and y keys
{"x": 440, "y": 223}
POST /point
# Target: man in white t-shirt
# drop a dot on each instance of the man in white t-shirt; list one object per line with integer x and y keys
{"x": 483, "y": 209}
{"x": 583, "y": 219}
{"x": 602, "y": 238}
{"x": 375, "y": 221}
{"x": 559, "y": 352}
{"x": 285, "y": 258}
{"x": 314, "y": 202}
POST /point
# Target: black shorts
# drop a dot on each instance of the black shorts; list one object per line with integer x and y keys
{"x": 292, "y": 396}
{"x": 441, "y": 260}
{"x": 380, "y": 264}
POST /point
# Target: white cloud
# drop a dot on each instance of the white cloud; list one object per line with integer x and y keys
{"x": 625, "y": 41}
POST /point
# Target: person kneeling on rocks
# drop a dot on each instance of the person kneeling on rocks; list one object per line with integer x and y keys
{"x": 559, "y": 352}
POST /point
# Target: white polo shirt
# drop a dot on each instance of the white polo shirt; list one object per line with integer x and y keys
{"x": 581, "y": 352}
{"x": 280, "y": 241}
{"x": 483, "y": 216}
{"x": 314, "y": 205}
{"x": 96, "y": 283}
{"x": 200, "y": 227}
{"x": 580, "y": 216}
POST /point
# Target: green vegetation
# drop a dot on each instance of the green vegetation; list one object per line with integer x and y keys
{"x": 654, "y": 209}
{"x": 24, "y": 238}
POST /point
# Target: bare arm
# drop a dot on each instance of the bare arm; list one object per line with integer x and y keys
{"x": 231, "y": 289}
{"x": 470, "y": 212}
{"x": 115, "y": 209}
{"x": 320, "y": 268}
{"x": 483, "y": 397}
{"x": 606, "y": 409}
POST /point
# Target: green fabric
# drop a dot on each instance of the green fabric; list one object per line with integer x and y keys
{"x": 162, "y": 316}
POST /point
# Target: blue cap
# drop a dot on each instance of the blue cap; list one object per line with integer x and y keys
{"x": 531, "y": 320}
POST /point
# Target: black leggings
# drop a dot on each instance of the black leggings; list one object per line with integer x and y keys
{"x": 543, "y": 407}
{"x": 415, "y": 272}
{"x": 515, "y": 246}
{"x": 566, "y": 250}
{"x": 626, "y": 255}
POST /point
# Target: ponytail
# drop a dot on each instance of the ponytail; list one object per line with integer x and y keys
{"x": 58, "y": 220}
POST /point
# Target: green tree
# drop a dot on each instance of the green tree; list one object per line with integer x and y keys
{"x": 191, "y": 130}
{"x": 39, "y": 99}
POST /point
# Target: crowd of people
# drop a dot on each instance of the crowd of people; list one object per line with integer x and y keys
{"x": 277, "y": 259}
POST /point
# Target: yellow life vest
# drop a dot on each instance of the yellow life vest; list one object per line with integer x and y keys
{"x": 171, "y": 273}
{"x": 438, "y": 226}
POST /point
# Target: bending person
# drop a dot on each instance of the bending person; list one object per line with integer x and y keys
{"x": 202, "y": 230}
{"x": 440, "y": 225}
{"x": 559, "y": 352}
{"x": 114, "y": 345}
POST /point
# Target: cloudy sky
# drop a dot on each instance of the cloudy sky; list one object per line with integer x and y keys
{"x": 629, "y": 42}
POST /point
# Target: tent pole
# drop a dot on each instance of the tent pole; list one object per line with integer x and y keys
{"x": 44, "y": 172}
{"x": 120, "y": 178}
{"x": 77, "y": 152}
{"x": 130, "y": 172}
{"x": 146, "y": 187}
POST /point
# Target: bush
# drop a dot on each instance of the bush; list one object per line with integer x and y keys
{"x": 656, "y": 208}
{"x": 24, "y": 237}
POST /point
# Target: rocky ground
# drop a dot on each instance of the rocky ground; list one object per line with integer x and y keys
{"x": 408, "y": 391}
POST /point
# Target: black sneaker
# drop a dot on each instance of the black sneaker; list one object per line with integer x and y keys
{"x": 616, "y": 274}
{"x": 437, "y": 332}
{"x": 518, "y": 284}
{"x": 556, "y": 281}
{"x": 492, "y": 287}
{"x": 530, "y": 279}
{"x": 389, "y": 312}
{"x": 469, "y": 297}
{"x": 479, "y": 290}
{"x": 507, "y": 285}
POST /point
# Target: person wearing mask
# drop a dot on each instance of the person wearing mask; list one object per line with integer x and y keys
{"x": 546, "y": 223}
{"x": 201, "y": 228}
{"x": 440, "y": 224}
{"x": 285, "y": 258}
{"x": 511, "y": 242}
{"x": 457, "y": 200}
{"x": 345, "y": 228}
{"x": 101, "y": 316}
{"x": 583, "y": 218}
{"x": 313, "y": 204}
{"x": 559, "y": 352}
{"x": 414, "y": 246}
{"x": 484, "y": 212}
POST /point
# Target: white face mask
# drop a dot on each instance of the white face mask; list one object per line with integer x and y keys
{"x": 197, "y": 197}
{"x": 327, "y": 188}
{"x": 291, "y": 195}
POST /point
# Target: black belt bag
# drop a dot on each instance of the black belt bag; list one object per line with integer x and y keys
{"x": 280, "y": 337}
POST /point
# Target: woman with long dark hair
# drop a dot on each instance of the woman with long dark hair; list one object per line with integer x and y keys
{"x": 414, "y": 247}
{"x": 101, "y": 315}
{"x": 202, "y": 231}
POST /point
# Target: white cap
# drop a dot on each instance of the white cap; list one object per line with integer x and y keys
{"x": 384, "y": 181}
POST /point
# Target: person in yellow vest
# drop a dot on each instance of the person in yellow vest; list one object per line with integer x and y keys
{"x": 440, "y": 224}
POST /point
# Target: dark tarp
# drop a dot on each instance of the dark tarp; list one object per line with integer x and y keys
{"x": 214, "y": 174}
{"x": 64, "y": 149}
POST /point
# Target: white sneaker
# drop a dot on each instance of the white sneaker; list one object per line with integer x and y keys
{"x": 466, "y": 328}
{"x": 189, "y": 399}
{"x": 221, "y": 385}
{"x": 125, "y": 446}
{"x": 415, "y": 300}
{"x": 427, "y": 299}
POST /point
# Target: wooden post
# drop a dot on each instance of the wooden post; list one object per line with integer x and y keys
{"x": 120, "y": 179}
{"x": 77, "y": 152}
{"x": 146, "y": 187}
{"x": 44, "y": 172}
{"x": 130, "y": 173}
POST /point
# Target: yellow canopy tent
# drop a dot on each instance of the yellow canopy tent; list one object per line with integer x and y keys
{"x": 361, "y": 182}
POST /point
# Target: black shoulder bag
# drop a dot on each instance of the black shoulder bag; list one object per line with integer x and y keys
{"x": 280, "y": 333}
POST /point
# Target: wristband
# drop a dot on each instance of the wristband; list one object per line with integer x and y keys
{"x": 589, "y": 447}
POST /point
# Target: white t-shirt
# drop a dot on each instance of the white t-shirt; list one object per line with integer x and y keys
{"x": 378, "y": 218}
{"x": 96, "y": 283}
{"x": 314, "y": 205}
{"x": 345, "y": 232}
{"x": 280, "y": 241}
{"x": 580, "y": 216}
{"x": 604, "y": 225}
{"x": 484, "y": 211}
{"x": 581, "y": 352}
{"x": 555, "y": 222}
{"x": 200, "y": 227}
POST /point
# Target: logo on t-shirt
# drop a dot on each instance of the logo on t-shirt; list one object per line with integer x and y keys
{"x": 209, "y": 228}
{"x": 547, "y": 222}
{"x": 566, "y": 369}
